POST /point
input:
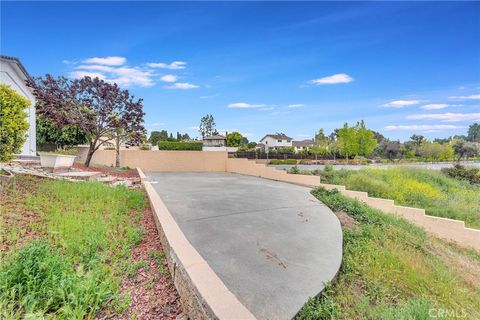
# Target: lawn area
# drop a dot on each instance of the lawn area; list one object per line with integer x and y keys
{"x": 80, "y": 251}
{"x": 392, "y": 269}
{"x": 438, "y": 194}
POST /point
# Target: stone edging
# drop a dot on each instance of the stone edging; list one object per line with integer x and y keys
{"x": 202, "y": 293}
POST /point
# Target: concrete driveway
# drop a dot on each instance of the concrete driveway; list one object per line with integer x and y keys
{"x": 272, "y": 243}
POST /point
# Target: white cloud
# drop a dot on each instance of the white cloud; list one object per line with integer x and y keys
{"x": 298, "y": 105}
{"x": 169, "y": 78}
{"x": 182, "y": 86}
{"x": 434, "y": 106}
{"x": 126, "y": 76}
{"x": 81, "y": 74}
{"x": 121, "y": 75}
{"x": 470, "y": 97}
{"x": 114, "y": 69}
{"x": 400, "y": 103}
{"x": 175, "y": 65}
{"x": 333, "y": 79}
{"x": 243, "y": 105}
{"x": 446, "y": 117}
{"x": 109, "y": 61}
{"x": 425, "y": 127}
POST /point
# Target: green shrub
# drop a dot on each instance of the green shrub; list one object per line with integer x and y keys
{"x": 38, "y": 280}
{"x": 283, "y": 161}
{"x": 363, "y": 182}
{"x": 144, "y": 147}
{"x": 472, "y": 175}
{"x": 13, "y": 123}
{"x": 294, "y": 170}
{"x": 180, "y": 145}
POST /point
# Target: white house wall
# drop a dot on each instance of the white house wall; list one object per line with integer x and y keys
{"x": 272, "y": 143}
{"x": 16, "y": 80}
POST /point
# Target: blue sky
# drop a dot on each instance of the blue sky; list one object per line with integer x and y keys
{"x": 265, "y": 67}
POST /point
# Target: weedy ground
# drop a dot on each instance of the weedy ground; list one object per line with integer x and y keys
{"x": 71, "y": 251}
{"x": 392, "y": 269}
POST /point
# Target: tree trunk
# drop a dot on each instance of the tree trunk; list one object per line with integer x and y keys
{"x": 117, "y": 149}
{"x": 90, "y": 153}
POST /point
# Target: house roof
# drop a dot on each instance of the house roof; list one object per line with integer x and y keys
{"x": 17, "y": 62}
{"x": 303, "y": 143}
{"x": 277, "y": 136}
{"x": 215, "y": 137}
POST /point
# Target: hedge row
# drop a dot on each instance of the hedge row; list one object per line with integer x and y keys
{"x": 281, "y": 161}
{"x": 179, "y": 145}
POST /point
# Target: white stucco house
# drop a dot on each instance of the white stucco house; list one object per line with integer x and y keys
{"x": 13, "y": 74}
{"x": 276, "y": 140}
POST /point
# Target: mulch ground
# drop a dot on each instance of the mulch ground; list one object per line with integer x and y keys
{"x": 116, "y": 172}
{"x": 153, "y": 295}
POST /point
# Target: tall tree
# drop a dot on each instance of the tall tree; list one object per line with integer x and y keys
{"x": 366, "y": 141}
{"x": 474, "y": 133}
{"x": 234, "y": 139}
{"x": 156, "y": 136}
{"x": 347, "y": 141}
{"x": 50, "y": 134}
{"x": 417, "y": 139}
{"x": 96, "y": 106}
{"x": 207, "y": 126}
{"x": 320, "y": 144}
{"x": 466, "y": 149}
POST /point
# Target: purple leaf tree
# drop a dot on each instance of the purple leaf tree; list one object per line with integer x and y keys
{"x": 102, "y": 109}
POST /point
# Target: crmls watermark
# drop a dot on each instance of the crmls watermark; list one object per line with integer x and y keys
{"x": 446, "y": 313}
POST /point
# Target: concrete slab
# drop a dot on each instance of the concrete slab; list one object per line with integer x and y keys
{"x": 272, "y": 243}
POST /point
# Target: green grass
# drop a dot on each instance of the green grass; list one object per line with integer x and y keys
{"x": 433, "y": 191}
{"x": 392, "y": 269}
{"x": 65, "y": 262}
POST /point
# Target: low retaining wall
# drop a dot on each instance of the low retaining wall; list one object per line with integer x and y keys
{"x": 448, "y": 229}
{"x": 202, "y": 294}
{"x": 160, "y": 161}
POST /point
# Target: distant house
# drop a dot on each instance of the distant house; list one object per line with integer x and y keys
{"x": 215, "y": 141}
{"x": 13, "y": 74}
{"x": 276, "y": 140}
{"x": 300, "y": 146}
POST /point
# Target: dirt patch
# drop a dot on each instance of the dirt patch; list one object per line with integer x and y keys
{"x": 112, "y": 171}
{"x": 153, "y": 295}
{"x": 346, "y": 221}
{"x": 17, "y": 224}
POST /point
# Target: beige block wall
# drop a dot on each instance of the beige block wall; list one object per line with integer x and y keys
{"x": 447, "y": 229}
{"x": 161, "y": 161}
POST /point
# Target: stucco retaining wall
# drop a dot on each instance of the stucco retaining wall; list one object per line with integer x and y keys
{"x": 448, "y": 229}
{"x": 161, "y": 161}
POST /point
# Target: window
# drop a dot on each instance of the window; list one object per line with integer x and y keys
{"x": 279, "y": 140}
{"x": 289, "y": 140}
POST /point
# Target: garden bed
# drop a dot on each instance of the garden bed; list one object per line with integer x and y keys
{"x": 88, "y": 250}
{"x": 121, "y": 172}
